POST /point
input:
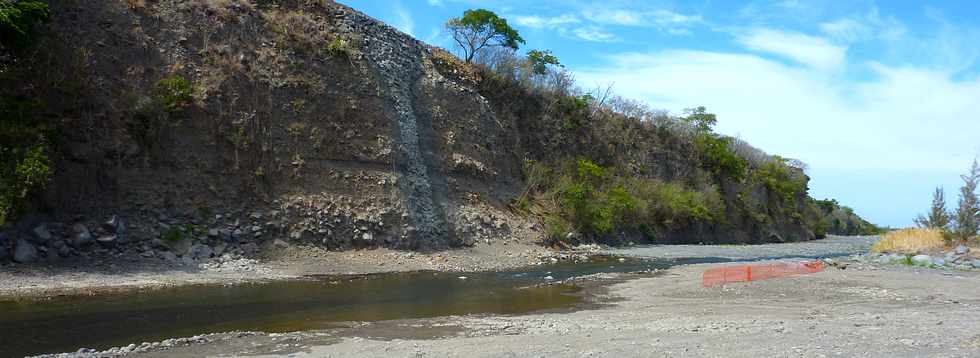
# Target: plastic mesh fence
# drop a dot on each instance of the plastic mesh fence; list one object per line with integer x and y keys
{"x": 755, "y": 272}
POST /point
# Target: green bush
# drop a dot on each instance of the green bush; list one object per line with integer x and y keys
{"x": 718, "y": 157}
{"x": 174, "y": 93}
{"x": 24, "y": 146}
{"x": 17, "y": 20}
{"x": 777, "y": 177}
{"x": 596, "y": 201}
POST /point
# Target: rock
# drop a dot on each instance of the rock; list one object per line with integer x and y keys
{"x": 939, "y": 262}
{"x": 961, "y": 250}
{"x": 167, "y": 256}
{"x": 280, "y": 244}
{"x": 25, "y": 252}
{"x": 4, "y": 253}
{"x": 201, "y": 252}
{"x": 82, "y": 236}
{"x": 214, "y": 233}
{"x": 237, "y": 234}
{"x": 179, "y": 247}
{"x": 187, "y": 261}
{"x": 367, "y": 237}
{"x": 41, "y": 234}
{"x": 976, "y": 264}
{"x": 107, "y": 240}
{"x": 549, "y": 278}
{"x": 116, "y": 225}
{"x": 923, "y": 260}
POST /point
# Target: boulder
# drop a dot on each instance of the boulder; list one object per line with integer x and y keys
{"x": 923, "y": 260}
{"x": 961, "y": 250}
{"x": 200, "y": 252}
{"x": 82, "y": 236}
{"x": 939, "y": 262}
{"x": 117, "y": 226}
{"x": 167, "y": 256}
{"x": 976, "y": 264}
{"x": 179, "y": 247}
{"x": 41, "y": 234}
{"x": 25, "y": 252}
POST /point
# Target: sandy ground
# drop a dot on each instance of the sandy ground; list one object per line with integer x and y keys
{"x": 864, "y": 311}
{"x": 111, "y": 274}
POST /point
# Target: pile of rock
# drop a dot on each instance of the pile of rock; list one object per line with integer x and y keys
{"x": 960, "y": 258}
{"x": 33, "y": 240}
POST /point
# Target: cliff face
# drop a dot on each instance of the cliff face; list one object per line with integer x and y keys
{"x": 309, "y": 122}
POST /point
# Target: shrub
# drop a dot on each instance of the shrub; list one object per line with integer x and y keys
{"x": 338, "y": 47}
{"x": 778, "y": 178}
{"x": 23, "y": 171}
{"x": 17, "y": 20}
{"x": 718, "y": 157}
{"x": 174, "y": 93}
{"x": 596, "y": 201}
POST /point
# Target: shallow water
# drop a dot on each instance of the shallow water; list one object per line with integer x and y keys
{"x": 64, "y": 324}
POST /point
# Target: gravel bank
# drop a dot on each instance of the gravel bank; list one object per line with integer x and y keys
{"x": 862, "y": 311}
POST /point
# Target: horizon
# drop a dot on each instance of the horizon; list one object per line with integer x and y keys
{"x": 871, "y": 87}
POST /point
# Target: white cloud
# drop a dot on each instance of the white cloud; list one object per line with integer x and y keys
{"x": 435, "y": 2}
{"x": 808, "y": 50}
{"x": 665, "y": 20}
{"x": 595, "y": 34}
{"x": 870, "y": 26}
{"x": 539, "y": 22}
{"x": 404, "y": 20}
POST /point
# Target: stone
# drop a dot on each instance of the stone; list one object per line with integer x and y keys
{"x": 214, "y": 233}
{"x": 961, "y": 250}
{"x": 367, "y": 237}
{"x": 25, "y": 252}
{"x": 939, "y": 262}
{"x": 81, "y": 237}
{"x": 201, "y": 252}
{"x": 976, "y": 264}
{"x": 116, "y": 225}
{"x": 147, "y": 254}
{"x": 41, "y": 234}
{"x": 167, "y": 256}
{"x": 106, "y": 240}
{"x": 923, "y": 260}
{"x": 179, "y": 247}
{"x": 280, "y": 244}
{"x": 187, "y": 261}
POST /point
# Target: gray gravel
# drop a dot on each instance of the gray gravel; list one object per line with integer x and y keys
{"x": 831, "y": 246}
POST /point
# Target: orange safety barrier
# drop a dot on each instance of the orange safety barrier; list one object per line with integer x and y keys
{"x": 743, "y": 273}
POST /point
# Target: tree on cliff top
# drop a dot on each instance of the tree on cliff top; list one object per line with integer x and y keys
{"x": 480, "y": 28}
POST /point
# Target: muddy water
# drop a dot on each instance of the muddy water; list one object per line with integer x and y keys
{"x": 66, "y": 324}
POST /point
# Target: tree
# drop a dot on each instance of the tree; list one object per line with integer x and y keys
{"x": 17, "y": 20}
{"x": 480, "y": 28}
{"x": 700, "y": 118}
{"x": 938, "y": 217}
{"x": 968, "y": 209}
{"x": 540, "y": 60}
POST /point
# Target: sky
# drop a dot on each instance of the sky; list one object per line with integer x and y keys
{"x": 880, "y": 98}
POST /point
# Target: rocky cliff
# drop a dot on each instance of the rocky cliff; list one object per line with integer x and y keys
{"x": 206, "y": 126}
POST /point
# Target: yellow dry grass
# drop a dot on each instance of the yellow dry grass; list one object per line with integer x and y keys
{"x": 910, "y": 241}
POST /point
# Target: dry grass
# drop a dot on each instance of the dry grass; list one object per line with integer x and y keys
{"x": 910, "y": 241}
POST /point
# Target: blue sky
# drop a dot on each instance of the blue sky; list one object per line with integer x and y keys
{"x": 880, "y": 98}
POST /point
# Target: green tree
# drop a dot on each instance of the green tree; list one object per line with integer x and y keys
{"x": 938, "y": 217}
{"x": 700, "y": 118}
{"x": 17, "y": 20}
{"x": 968, "y": 208}
{"x": 480, "y": 28}
{"x": 540, "y": 60}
